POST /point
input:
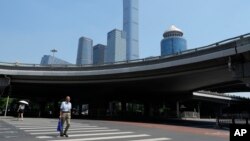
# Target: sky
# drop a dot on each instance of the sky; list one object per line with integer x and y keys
{"x": 29, "y": 29}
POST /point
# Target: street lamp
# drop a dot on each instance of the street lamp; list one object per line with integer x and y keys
{"x": 53, "y": 51}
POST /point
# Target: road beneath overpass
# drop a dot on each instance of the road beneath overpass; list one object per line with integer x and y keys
{"x": 37, "y": 129}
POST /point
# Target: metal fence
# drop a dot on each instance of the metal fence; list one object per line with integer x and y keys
{"x": 190, "y": 114}
{"x": 225, "y": 122}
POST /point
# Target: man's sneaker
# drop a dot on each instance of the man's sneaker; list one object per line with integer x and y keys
{"x": 66, "y": 135}
{"x": 61, "y": 135}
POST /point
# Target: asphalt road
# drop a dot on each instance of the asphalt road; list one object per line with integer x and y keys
{"x": 38, "y": 129}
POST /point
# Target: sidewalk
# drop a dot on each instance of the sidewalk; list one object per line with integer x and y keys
{"x": 7, "y": 117}
{"x": 196, "y": 119}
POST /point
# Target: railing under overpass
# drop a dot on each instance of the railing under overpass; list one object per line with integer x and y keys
{"x": 231, "y": 42}
{"x": 225, "y": 122}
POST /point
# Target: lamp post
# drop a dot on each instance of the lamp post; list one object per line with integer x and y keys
{"x": 53, "y": 51}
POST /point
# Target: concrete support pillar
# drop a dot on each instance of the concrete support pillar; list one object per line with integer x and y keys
{"x": 42, "y": 103}
{"x": 123, "y": 108}
{"x": 42, "y": 108}
{"x": 1, "y": 91}
{"x": 110, "y": 108}
{"x": 178, "y": 109}
{"x": 56, "y": 110}
{"x": 146, "y": 109}
{"x": 199, "y": 110}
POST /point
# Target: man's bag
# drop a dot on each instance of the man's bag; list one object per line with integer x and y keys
{"x": 59, "y": 126}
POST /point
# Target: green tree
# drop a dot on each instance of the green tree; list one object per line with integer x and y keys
{"x": 3, "y": 102}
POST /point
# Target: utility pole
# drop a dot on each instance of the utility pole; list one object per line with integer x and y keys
{"x": 6, "y": 107}
{"x": 6, "y": 83}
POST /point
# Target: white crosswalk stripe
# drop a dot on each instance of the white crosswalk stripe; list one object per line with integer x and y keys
{"x": 154, "y": 139}
{"x": 72, "y": 129}
{"x": 50, "y": 125}
{"x": 100, "y": 134}
{"x": 34, "y": 128}
{"x": 1, "y": 129}
{"x": 105, "y": 138}
{"x": 47, "y": 130}
{"x": 73, "y": 132}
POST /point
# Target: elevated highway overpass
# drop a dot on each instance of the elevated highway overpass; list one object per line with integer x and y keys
{"x": 221, "y": 67}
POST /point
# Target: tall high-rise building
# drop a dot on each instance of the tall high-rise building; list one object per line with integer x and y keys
{"x": 49, "y": 60}
{"x": 173, "y": 41}
{"x": 98, "y": 54}
{"x": 131, "y": 27}
{"x": 116, "y": 47}
{"x": 85, "y": 51}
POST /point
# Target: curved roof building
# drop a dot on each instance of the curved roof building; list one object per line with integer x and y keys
{"x": 173, "y": 41}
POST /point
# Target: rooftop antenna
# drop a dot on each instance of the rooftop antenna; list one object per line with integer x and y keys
{"x": 53, "y": 52}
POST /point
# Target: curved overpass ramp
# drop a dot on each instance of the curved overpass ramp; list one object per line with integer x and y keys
{"x": 223, "y": 66}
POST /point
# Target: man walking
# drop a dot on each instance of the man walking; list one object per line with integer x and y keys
{"x": 65, "y": 115}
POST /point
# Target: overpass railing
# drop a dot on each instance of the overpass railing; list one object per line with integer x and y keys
{"x": 230, "y": 40}
{"x": 225, "y": 122}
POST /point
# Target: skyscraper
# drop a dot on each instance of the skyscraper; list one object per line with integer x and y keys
{"x": 131, "y": 27}
{"x": 85, "y": 51}
{"x": 48, "y": 60}
{"x": 98, "y": 54}
{"x": 116, "y": 47}
{"x": 173, "y": 41}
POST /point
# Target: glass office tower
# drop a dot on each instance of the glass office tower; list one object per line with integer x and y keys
{"x": 98, "y": 54}
{"x": 131, "y": 27}
{"x": 116, "y": 47}
{"x": 173, "y": 41}
{"x": 85, "y": 51}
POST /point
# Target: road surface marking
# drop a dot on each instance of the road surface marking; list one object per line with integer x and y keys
{"x": 1, "y": 129}
{"x": 42, "y": 125}
{"x": 88, "y": 131}
{"x": 100, "y": 134}
{"x": 8, "y": 132}
{"x": 7, "y": 137}
{"x": 44, "y": 137}
{"x": 74, "y": 129}
{"x": 34, "y": 128}
{"x": 106, "y": 138}
{"x": 154, "y": 139}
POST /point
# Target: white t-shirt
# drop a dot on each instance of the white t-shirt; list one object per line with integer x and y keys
{"x": 66, "y": 106}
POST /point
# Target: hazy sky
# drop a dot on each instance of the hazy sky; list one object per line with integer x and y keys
{"x": 245, "y": 94}
{"x": 31, "y": 28}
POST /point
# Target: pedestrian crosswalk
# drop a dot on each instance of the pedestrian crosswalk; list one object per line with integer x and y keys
{"x": 45, "y": 129}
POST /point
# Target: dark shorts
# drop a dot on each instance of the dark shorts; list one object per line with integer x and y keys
{"x": 20, "y": 111}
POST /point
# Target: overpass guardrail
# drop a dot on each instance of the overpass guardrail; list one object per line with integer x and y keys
{"x": 225, "y": 122}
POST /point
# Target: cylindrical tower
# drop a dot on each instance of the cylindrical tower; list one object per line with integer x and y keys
{"x": 173, "y": 41}
{"x": 85, "y": 51}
